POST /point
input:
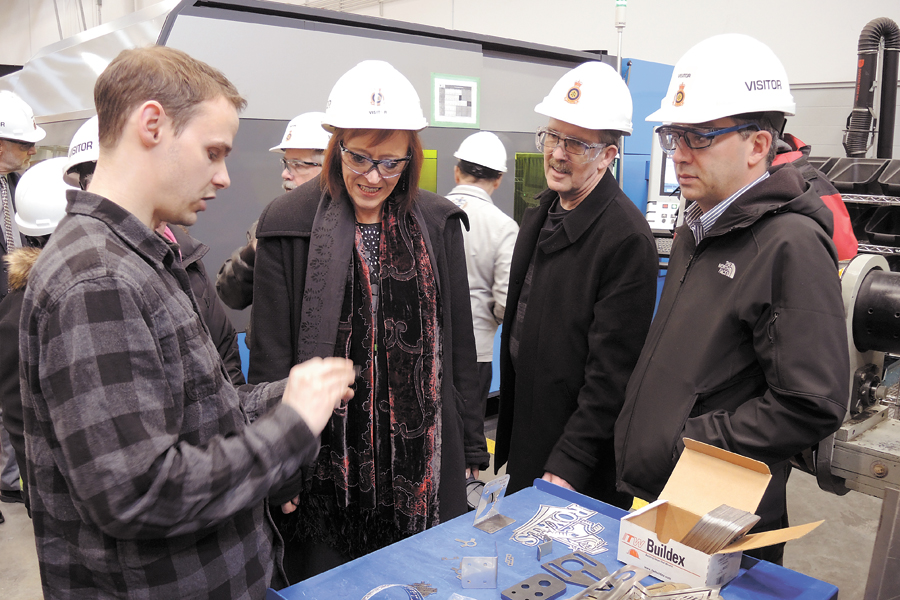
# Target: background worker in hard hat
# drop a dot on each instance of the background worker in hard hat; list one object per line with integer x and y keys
{"x": 84, "y": 150}
{"x": 489, "y": 242}
{"x": 40, "y": 205}
{"x": 363, "y": 264}
{"x": 581, "y": 295}
{"x": 137, "y": 444}
{"x": 748, "y": 349}
{"x": 303, "y": 145}
{"x": 18, "y": 135}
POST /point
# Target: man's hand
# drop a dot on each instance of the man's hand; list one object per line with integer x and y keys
{"x": 290, "y": 506}
{"x": 472, "y": 472}
{"x": 317, "y": 387}
{"x": 554, "y": 479}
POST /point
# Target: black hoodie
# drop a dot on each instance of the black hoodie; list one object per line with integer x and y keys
{"x": 748, "y": 350}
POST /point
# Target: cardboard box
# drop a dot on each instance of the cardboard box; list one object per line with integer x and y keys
{"x": 704, "y": 478}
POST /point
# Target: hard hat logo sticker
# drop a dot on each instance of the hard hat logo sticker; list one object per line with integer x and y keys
{"x": 287, "y": 138}
{"x": 377, "y": 98}
{"x": 574, "y": 93}
{"x": 679, "y": 96}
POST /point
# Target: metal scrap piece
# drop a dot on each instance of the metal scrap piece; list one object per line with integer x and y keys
{"x": 587, "y": 573}
{"x": 614, "y": 587}
{"x": 536, "y": 587}
{"x": 424, "y": 588}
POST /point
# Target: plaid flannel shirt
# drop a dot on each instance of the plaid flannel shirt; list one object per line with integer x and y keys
{"x": 148, "y": 470}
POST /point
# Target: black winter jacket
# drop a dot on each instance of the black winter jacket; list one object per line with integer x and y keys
{"x": 282, "y": 254}
{"x": 220, "y": 328}
{"x": 589, "y": 309}
{"x": 748, "y": 350}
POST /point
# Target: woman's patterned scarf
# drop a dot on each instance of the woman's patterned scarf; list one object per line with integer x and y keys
{"x": 381, "y": 451}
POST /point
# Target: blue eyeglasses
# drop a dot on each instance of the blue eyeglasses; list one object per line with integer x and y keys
{"x": 695, "y": 139}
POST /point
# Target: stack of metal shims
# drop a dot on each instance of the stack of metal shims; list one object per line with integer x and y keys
{"x": 719, "y": 528}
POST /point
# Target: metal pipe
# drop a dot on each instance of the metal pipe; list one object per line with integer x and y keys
{"x": 58, "y": 22}
{"x": 83, "y": 20}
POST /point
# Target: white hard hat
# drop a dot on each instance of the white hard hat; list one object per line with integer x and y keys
{"x": 725, "y": 75}
{"x": 41, "y": 197}
{"x": 304, "y": 132}
{"x": 485, "y": 149}
{"x": 374, "y": 95}
{"x": 591, "y": 95}
{"x": 84, "y": 147}
{"x": 17, "y": 119}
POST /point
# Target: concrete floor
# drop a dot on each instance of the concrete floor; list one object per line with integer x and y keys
{"x": 838, "y": 552}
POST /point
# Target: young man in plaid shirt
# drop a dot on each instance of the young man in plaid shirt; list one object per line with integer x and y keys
{"x": 149, "y": 470}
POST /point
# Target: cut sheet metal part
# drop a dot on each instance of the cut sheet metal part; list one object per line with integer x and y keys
{"x": 478, "y": 572}
{"x": 536, "y": 587}
{"x": 412, "y": 592}
{"x": 545, "y": 548}
{"x": 569, "y": 525}
{"x": 425, "y": 588}
{"x": 670, "y": 591}
{"x": 577, "y": 568}
{"x": 617, "y": 586}
{"x": 487, "y": 515}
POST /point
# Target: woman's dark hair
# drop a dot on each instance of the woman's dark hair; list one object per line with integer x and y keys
{"x": 407, "y": 189}
{"x": 478, "y": 171}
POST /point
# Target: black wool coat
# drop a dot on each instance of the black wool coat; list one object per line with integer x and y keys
{"x": 592, "y": 295}
{"x": 282, "y": 257}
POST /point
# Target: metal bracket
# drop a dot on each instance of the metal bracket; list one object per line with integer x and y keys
{"x": 487, "y": 515}
{"x": 544, "y": 548}
{"x": 536, "y": 587}
{"x": 587, "y": 572}
{"x": 479, "y": 572}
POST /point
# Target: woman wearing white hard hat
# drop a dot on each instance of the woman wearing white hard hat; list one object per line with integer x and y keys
{"x": 40, "y": 204}
{"x": 365, "y": 265}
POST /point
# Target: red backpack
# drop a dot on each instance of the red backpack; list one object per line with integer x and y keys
{"x": 843, "y": 236}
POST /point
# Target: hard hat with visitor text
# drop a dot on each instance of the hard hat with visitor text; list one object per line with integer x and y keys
{"x": 84, "y": 148}
{"x": 41, "y": 197}
{"x": 17, "y": 120}
{"x": 722, "y": 76}
{"x": 304, "y": 132}
{"x": 374, "y": 95}
{"x": 483, "y": 148}
{"x": 591, "y": 95}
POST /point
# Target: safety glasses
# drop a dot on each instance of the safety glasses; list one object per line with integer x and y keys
{"x": 388, "y": 168}
{"x": 547, "y": 140}
{"x": 695, "y": 139}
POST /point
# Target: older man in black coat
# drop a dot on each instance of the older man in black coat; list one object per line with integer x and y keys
{"x": 583, "y": 286}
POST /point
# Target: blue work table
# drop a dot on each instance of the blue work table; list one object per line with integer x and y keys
{"x": 429, "y": 557}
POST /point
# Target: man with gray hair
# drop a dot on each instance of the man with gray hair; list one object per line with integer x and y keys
{"x": 18, "y": 135}
{"x": 303, "y": 146}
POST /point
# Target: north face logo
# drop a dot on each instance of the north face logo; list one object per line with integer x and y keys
{"x": 727, "y": 269}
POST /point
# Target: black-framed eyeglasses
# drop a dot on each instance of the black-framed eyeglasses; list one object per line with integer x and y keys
{"x": 547, "y": 140}
{"x": 25, "y": 146}
{"x": 298, "y": 166}
{"x": 695, "y": 139}
{"x": 388, "y": 168}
